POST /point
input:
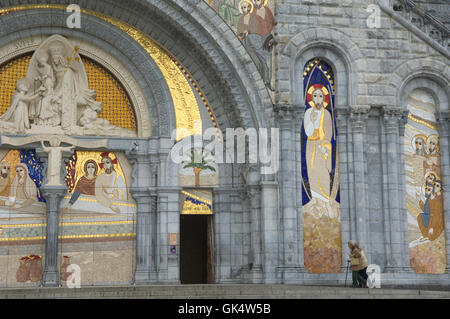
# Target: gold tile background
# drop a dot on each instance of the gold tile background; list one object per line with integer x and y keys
{"x": 117, "y": 107}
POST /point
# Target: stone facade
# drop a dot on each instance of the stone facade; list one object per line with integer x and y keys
{"x": 257, "y": 217}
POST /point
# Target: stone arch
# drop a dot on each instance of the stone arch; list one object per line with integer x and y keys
{"x": 231, "y": 82}
{"x": 430, "y": 75}
{"x": 335, "y": 48}
{"x": 129, "y": 54}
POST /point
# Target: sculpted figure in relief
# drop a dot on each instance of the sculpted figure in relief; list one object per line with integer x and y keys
{"x": 55, "y": 97}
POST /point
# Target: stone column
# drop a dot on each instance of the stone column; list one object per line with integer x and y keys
{"x": 299, "y": 116}
{"x": 145, "y": 223}
{"x": 445, "y": 169}
{"x": 145, "y": 266}
{"x": 347, "y": 229}
{"x": 269, "y": 210}
{"x": 358, "y": 117}
{"x": 394, "y": 260}
{"x": 256, "y": 271}
{"x": 285, "y": 115}
{"x": 53, "y": 196}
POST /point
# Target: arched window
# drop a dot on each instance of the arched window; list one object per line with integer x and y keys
{"x": 320, "y": 174}
{"x": 424, "y": 192}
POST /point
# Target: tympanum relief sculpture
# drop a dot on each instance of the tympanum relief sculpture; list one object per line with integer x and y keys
{"x": 54, "y": 97}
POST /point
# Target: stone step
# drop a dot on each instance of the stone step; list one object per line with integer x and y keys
{"x": 219, "y": 292}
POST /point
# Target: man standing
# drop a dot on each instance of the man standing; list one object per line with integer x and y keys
{"x": 264, "y": 16}
{"x": 433, "y": 158}
{"x": 319, "y": 129}
{"x": 109, "y": 185}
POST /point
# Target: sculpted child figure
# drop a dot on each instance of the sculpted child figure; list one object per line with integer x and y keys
{"x": 18, "y": 112}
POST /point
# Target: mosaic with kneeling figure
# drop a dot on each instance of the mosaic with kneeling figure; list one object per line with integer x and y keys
{"x": 98, "y": 232}
{"x": 22, "y": 218}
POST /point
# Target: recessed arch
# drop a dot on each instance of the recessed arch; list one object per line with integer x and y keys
{"x": 339, "y": 51}
{"x": 432, "y": 75}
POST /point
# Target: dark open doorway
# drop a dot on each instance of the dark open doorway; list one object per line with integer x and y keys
{"x": 196, "y": 249}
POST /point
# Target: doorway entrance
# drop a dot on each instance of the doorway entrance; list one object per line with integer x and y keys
{"x": 196, "y": 249}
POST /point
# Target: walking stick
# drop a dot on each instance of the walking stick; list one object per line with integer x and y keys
{"x": 346, "y": 273}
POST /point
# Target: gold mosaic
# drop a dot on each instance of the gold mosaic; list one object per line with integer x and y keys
{"x": 117, "y": 107}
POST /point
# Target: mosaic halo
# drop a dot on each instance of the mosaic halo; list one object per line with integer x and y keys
{"x": 326, "y": 95}
{"x": 413, "y": 141}
{"x": 242, "y": 2}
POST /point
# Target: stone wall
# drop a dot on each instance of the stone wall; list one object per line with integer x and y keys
{"x": 374, "y": 69}
{"x": 258, "y": 224}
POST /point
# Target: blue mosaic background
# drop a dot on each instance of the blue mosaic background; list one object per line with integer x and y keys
{"x": 31, "y": 159}
{"x": 318, "y": 74}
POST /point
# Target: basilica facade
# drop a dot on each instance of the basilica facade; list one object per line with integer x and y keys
{"x": 223, "y": 141}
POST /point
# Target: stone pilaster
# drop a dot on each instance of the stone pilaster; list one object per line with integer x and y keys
{"x": 396, "y": 256}
{"x": 299, "y": 116}
{"x": 348, "y": 229}
{"x": 444, "y": 133}
{"x": 53, "y": 196}
{"x": 269, "y": 230}
{"x": 256, "y": 270}
{"x": 168, "y": 222}
{"x": 286, "y": 117}
{"x": 358, "y": 117}
{"x": 145, "y": 217}
{"x": 145, "y": 237}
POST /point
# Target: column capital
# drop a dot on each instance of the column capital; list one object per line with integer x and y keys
{"x": 359, "y": 111}
{"x": 285, "y": 113}
{"x": 358, "y": 116}
{"x": 53, "y": 196}
{"x": 393, "y": 113}
{"x": 341, "y": 117}
{"x": 393, "y": 118}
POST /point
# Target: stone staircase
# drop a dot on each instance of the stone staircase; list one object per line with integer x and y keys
{"x": 228, "y": 291}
